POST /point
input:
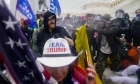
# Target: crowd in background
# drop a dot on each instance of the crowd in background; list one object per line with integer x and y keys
{"x": 128, "y": 31}
{"x": 106, "y": 36}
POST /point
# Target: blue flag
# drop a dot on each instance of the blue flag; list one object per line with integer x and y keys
{"x": 24, "y": 7}
{"x": 15, "y": 52}
{"x": 55, "y": 7}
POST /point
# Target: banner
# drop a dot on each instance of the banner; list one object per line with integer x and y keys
{"x": 24, "y": 7}
{"x": 55, "y": 7}
{"x": 81, "y": 43}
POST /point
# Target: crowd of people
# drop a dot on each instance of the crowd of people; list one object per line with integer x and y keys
{"x": 117, "y": 39}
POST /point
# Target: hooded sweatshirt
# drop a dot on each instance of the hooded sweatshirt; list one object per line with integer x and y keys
{"x": 45, "y": 34}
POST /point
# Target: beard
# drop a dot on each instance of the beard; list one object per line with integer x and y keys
{"x": 52, "y": 25}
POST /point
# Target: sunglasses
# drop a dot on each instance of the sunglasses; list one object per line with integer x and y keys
{"x": 52, "y": 19}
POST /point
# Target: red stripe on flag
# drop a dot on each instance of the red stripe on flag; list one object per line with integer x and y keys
{"x": 47, "y": 76}
{"x": 3, "y": 61}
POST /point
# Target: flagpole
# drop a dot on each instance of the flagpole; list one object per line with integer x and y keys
{"x": 16, "y": 8}
{"x": 15, "y": 12}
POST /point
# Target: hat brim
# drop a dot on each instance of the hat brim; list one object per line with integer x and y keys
{"x": 58, "y": 61}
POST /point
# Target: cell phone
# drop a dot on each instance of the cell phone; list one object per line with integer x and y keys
{"x": 86, "y": 59}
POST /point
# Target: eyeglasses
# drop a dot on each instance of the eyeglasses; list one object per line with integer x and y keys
{"x": 52, "y": 19}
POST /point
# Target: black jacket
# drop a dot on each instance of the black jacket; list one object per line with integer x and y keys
{"x": 110, "y": 34}
{"x": 91, "y": 41}
{"x": 45, "y": 34}
{"x": 120, "y": 23}
{"x": 123, "y": 28}
{"x": 135, "y": 29}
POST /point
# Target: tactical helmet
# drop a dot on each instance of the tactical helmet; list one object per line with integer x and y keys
{"x": 119, "y": 13}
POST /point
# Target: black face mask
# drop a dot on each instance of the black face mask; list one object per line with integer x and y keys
{"x": 138, "y": 15}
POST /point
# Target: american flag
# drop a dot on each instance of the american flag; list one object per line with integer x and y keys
{"x": 15, "y": 52}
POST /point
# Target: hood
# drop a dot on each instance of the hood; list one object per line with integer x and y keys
{"x": 46, "y": 18}
{"x": 126, "y": 16}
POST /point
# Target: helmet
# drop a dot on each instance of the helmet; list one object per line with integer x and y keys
{"x": 73, "y": 17}
{"x": 98, "y": 17}
{"x": 106, "y": 17}
{"x": 78, "y": 19}
{"x": 119, "y": 13}
{"x": 88, "y": 15}
{"x": 126, "y": 16}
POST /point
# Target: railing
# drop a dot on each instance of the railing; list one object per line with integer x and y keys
{"x": 117, "y": 2}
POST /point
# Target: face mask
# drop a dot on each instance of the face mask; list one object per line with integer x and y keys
{"x": 119, "y": 15}
{"x": 137, "y": 15}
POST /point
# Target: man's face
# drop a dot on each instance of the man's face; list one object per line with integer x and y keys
{"x": 58, "y": 73}
{"x": 51, "y": 22}
{"x": 89, "y": 19}
{"x": 21, "y": 22}
{"x": 102, "y": 24}
{"x": 26, "y": 25}
{"x": 138, "y": 12}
